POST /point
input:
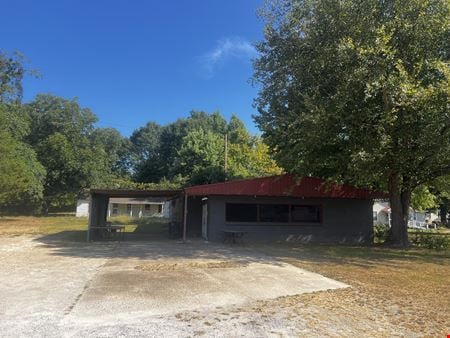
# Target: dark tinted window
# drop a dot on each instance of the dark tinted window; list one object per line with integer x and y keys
{"x": 306, "y": 213}
{"x": 241, "y": 212}
{"x": 273, "y": 213}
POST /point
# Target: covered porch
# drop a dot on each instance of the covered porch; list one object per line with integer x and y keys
{"x": 100, "y": 198}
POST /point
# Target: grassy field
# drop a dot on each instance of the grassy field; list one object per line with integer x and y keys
{"x": 407, "y": 287}
{"x": 72, "y": 227}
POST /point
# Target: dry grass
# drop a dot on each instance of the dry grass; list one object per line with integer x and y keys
{"x": 189, "y": 266}
{"x": 70, "y": 227}
{"x": 32, "y": 225}
{"x": 405, "y": 289}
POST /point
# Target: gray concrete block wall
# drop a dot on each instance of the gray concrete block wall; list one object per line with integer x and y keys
{"x": 343, "y": 220}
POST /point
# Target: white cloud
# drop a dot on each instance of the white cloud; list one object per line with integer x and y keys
{"x": 227, "y": 48}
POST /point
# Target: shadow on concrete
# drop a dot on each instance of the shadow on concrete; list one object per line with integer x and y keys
{"x": 148, "y": 246}
{"x": 155, "y": 244}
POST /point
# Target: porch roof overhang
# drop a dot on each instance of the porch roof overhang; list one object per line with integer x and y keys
{"x": 131, "y": 193}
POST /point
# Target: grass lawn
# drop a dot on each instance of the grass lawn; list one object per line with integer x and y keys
{"x": 408, "y": 288}
{"x": 71, "y": 227}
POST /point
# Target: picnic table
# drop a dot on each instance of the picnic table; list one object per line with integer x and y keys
{"x": 109, "y": 230}
{"x": 233, "y": 236}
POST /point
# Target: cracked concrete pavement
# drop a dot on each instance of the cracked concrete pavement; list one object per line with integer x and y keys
{"x": 59, "y": 288}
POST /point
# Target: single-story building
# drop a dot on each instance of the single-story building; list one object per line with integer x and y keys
{"x": 133, "y": 207}
{"x": 284, "y": 207}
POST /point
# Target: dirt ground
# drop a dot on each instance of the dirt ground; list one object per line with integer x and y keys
{"x": 54, "y": 287}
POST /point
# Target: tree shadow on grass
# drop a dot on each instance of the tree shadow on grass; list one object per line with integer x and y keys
{"x": 361, "y": 256}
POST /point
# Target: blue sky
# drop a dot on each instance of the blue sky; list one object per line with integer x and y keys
{"x": 138, "y": 61}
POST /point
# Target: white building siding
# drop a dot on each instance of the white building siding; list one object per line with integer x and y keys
{"x": 132, "y": 208}
{"x": 82, "y": 208}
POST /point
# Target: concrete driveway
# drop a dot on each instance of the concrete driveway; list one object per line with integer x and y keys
{"x": 58, "y": 288}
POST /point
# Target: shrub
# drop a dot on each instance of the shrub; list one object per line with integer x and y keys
{"x": 430, "y": 240}
{"x": 380, "y": 233}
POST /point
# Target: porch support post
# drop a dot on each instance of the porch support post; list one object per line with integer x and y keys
{"x": 185, "y": 217}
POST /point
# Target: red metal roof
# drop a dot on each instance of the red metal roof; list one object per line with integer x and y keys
{"x": 283, "y": 185}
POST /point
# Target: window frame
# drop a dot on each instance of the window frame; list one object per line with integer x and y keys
{"x": 115, "y": 209}
{"x": 276, "y": 223}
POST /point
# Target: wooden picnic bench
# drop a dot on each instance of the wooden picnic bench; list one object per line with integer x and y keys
{"x": 233, "y": 236}
{"x": 108, "y": 230}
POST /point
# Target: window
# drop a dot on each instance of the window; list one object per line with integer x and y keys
{"x": 160, "y": 207}
{"x": 375, "y": 216}
{"x": 115, "y": 209}
{"x": 147, "y": 207}
{"x": 241, "y": 212}
{"x": 274, "y": 213}
{"x": 128, "y": 208}
{"x": 306, "y": 213}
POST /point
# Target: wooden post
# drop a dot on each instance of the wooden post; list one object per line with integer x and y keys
{"x": 185, "y": 217}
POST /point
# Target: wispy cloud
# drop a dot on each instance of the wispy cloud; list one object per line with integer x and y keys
{"x": 225, "y": 49}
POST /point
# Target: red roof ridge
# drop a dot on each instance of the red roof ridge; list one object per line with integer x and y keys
{"x": 283, "y": 185}
{"x": 238, "y": 180}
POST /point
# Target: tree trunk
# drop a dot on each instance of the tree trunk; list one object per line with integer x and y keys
{"x": 400, "y": 199}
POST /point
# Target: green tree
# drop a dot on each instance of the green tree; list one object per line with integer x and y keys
{"x": 251, "y": 160}
{"x": 12, "y": 72}
{"x": 439, "y": 188}
{"x": 117, "y": 148}
{"x": 237, "y": 132}
{"x": 200, "y": 149}
{"x": 21, "y": 175}
{"x": 422, "y": 199}
{"x": 147, "y": 163}
{"x": 358, "y": 91}
{"x": 62, "y": 134}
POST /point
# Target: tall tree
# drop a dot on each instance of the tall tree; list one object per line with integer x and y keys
{"x": 148, "y": 165}
{"x": 358, "y": 91}
{"x": 200, "y": 149}
{"x": 62, "y": 135}
{"x": 117, "y": 148}
{"x": 21, "y": 175}
{"x": 12, "y": 72}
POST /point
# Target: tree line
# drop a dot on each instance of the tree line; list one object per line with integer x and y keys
{"x": 51, "y": 149}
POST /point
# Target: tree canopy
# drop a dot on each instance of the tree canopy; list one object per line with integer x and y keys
{"x": 358, "y": 91}
{"x": 193, "y": 149}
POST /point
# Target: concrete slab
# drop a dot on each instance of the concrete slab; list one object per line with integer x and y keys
{"x": 221, "y": 276}
{"x": 52, "y": 288}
